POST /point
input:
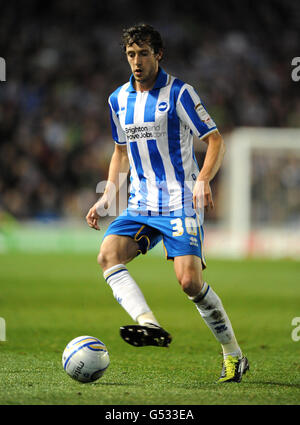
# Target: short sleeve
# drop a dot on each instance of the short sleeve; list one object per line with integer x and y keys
{"x": 193, "y": 113}
{"x": 116, "y": 129}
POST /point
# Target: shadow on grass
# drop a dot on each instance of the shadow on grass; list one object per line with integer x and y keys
{"x": 117, "y": 384}
{"x": 215, "y": 385}
{"x": 278, "y": 384}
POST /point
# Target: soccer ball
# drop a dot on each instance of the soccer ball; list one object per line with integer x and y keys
{"x": 85, "y": 359}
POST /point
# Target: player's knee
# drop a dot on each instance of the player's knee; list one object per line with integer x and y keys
{"x": 107, "y": 259}
{"x": 190, "y": 284}
{"x": 101, "y": 260}
{"x": 110, "y": 255}
{"x": 185, "y": 282}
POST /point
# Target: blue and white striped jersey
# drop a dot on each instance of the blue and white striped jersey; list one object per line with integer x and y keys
{"x": 158, "y": 126}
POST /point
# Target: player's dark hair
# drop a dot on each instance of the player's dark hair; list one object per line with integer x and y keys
{"x": 140, "y": 34}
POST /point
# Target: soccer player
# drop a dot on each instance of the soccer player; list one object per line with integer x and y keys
{"x": 154, "y": 117}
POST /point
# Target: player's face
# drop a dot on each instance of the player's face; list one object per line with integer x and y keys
{"x": 144, "y": 64}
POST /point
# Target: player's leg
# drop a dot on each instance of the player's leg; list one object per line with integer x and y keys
{"x": 188, "y": 270}
{"x": 116, "y": 249}
{"x": 115, "y": 252}
{"x": 182, "y": 237}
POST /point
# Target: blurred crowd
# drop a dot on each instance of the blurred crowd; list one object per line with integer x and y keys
{"x": 277, "y": 199}
{"x": 63, "y": 59}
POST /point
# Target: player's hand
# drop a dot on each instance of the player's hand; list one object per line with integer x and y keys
{"x": 202, "y": 195}
{"x": 95, "y": 213}
{"x": 92, "y": 218}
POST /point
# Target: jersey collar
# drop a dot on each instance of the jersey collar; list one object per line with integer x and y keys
{"x": 161, "y": 81}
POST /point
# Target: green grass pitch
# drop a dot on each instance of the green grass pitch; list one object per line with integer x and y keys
{"x": 49, "y": 299}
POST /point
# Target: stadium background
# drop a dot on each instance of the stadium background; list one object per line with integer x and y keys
{"x": 63, "y": 59}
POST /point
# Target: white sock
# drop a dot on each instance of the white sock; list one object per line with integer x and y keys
{"x": 126, "y": 291}
{"x": 213, "y": 313}
{"x": 147, "y": 319}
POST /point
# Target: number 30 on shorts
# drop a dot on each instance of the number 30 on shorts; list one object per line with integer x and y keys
{"x": 190, "y": 226}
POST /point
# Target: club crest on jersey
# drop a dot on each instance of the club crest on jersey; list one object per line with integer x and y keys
{"x": 163, "y": 107}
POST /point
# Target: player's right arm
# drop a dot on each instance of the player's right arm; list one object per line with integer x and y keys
{"x": 118, "y": 170}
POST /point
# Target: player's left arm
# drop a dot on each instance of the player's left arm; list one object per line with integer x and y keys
{"x": 195, "y": 116}
{"x": 212, "y": 162}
